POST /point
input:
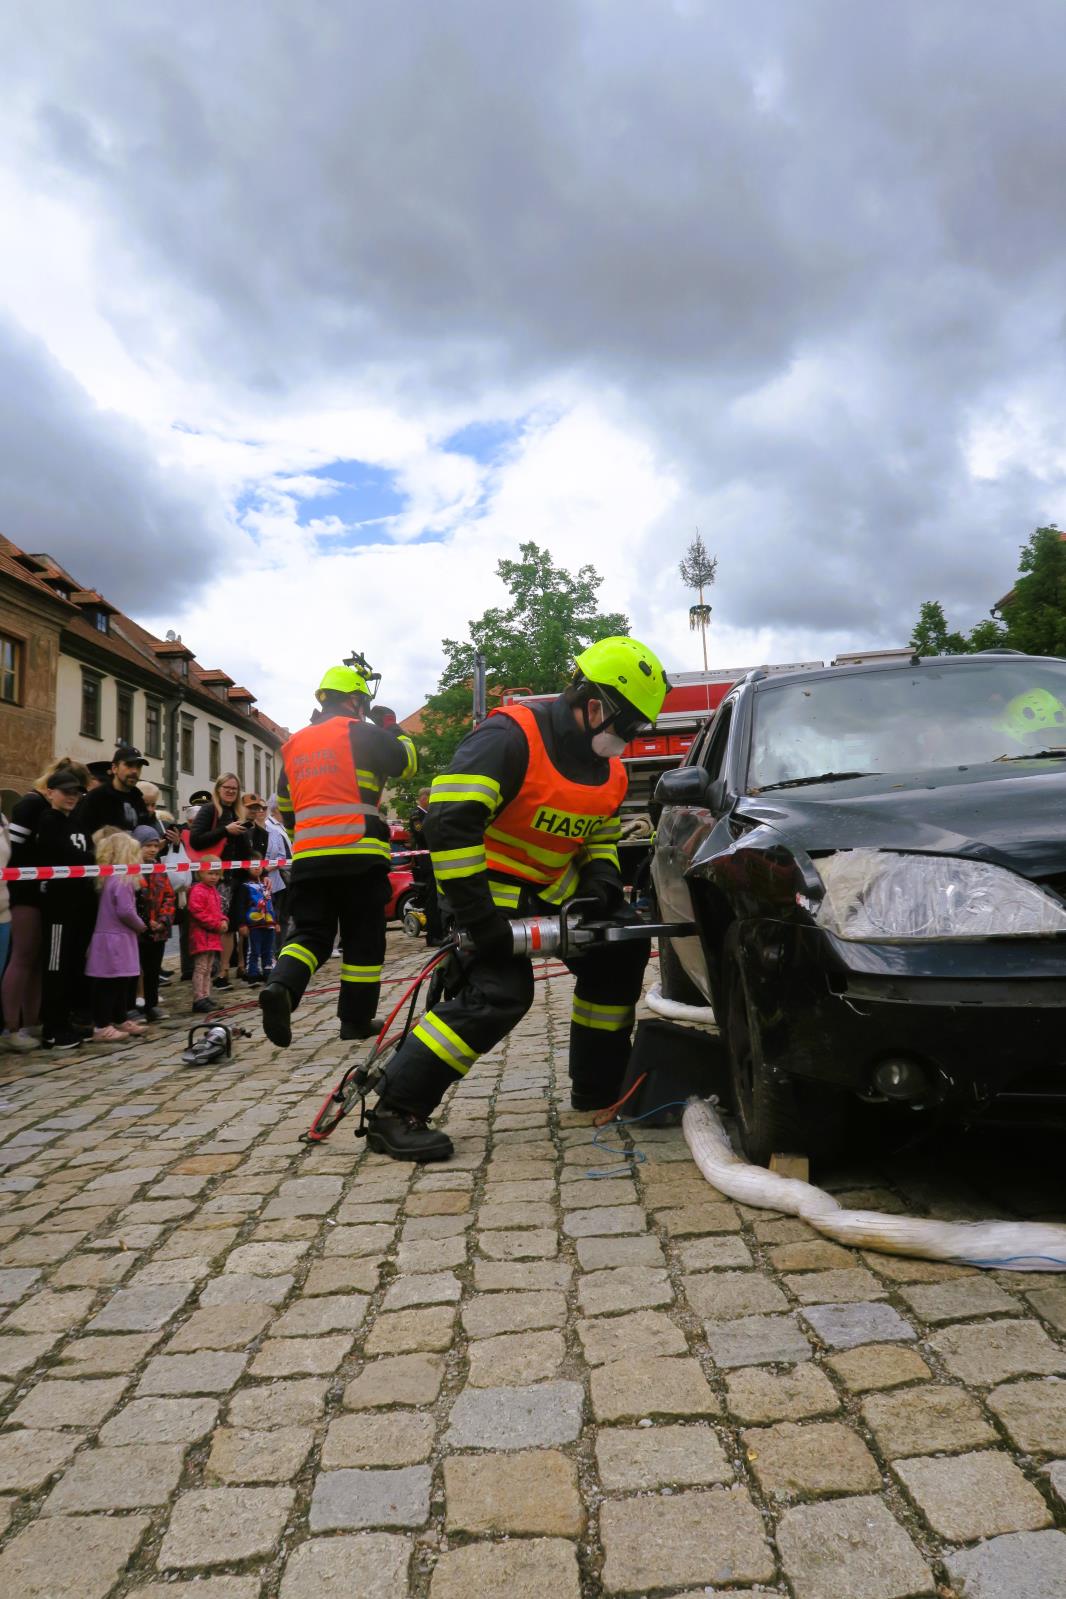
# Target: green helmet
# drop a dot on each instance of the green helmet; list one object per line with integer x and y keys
{"x": 628, "y": 670}
{"x": 342, "y": 680}
{"x": 1031, "y": 713}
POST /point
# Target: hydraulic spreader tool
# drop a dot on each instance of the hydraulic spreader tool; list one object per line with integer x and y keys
{"x": 573, "y": 932}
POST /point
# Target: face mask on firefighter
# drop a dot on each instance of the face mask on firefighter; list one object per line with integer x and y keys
{"x": 602, "y": 720}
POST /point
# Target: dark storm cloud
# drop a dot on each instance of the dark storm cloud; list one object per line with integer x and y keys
{"x": 688, "y": 204}
{"x": 82, "y": 485}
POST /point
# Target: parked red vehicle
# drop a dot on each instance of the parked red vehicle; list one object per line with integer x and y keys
{"x": 404, "y": 889}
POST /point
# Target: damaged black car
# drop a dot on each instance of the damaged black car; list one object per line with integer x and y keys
{"x": 875, "y": 856}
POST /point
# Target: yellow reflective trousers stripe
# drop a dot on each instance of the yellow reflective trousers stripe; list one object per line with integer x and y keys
{"x": 299, "y": 953}
{"x": 603, "y": 1018}
{"x": 445, "y": 1043}
{"x": 360, "y": 974}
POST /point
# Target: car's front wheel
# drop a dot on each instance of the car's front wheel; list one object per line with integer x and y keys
{"x": 774, "y": 1113}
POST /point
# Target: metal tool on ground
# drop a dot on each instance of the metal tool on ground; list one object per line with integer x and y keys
{"x": 214, "y": 1043}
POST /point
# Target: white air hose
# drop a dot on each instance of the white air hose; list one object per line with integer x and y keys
{"x": 691, "y": 1015}
{"x": 1003, "y": 1245}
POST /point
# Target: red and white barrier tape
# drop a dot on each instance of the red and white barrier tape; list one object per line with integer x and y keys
{"x": 48, "y": 874}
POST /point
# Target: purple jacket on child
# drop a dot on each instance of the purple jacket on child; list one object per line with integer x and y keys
{"x": 113, "y": 951}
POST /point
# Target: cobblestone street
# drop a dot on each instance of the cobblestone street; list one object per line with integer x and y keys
{"x": 235, "y": 1366}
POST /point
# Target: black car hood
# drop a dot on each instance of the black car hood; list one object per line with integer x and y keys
{"x": 1011, "y": 814}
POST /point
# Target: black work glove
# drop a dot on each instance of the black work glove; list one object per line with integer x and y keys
{"x": 492, "y": 938}
{"x": 608, "y": 893}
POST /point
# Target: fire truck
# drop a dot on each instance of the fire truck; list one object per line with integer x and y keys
{"x": 692, "y": 699}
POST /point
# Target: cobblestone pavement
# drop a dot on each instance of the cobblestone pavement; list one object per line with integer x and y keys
{"x": 237, "y": 1367}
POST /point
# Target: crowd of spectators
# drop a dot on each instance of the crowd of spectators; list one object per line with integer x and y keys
{"x": 83, "y": 959}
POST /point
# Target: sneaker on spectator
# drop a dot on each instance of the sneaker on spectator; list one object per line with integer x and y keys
{"x": 20, "y": 1043}
{"x": 165, "y": 980}
{"x": 156, "y": 1013}
{"x": 108, "y": 1035}
{"x": 132, "y": 1029}
{"x": 135, "y": 1014}
{"x": 66, "y": 1038}
{"x": 36, "y": 1031}
{"x": 203, "y": 1005}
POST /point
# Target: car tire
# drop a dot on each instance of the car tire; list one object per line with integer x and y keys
{"x": 774, "y": 1114}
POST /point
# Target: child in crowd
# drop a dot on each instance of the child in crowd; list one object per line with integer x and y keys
{"x": 156, "y": 907}
{"x": 259, "y": 923}
{"x": 114, "y": 957}
{"x": 206, "y": 927}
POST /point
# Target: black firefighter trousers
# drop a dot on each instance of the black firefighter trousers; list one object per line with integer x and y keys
{"x": 485, "y": 999}
{"x": 318, "y": 908}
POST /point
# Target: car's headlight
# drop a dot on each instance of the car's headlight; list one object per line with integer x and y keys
{"x": 878, "y": 894}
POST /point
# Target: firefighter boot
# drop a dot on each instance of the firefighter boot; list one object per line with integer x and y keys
{"x": 405, "y": 1136}
{"x": 276, "y": 1004}
{"x": 368, "y": 1029}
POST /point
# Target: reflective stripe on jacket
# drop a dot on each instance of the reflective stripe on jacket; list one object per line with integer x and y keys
{"x": 554, "y": 824}
{"x": 326, "y": 793}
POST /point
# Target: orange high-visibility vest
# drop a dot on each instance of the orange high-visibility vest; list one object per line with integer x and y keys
{"x": 324, "y": 788}
{"x": 551, "y": 819}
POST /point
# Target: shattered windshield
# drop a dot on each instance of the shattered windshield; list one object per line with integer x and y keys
{"x": 909, "y": 719}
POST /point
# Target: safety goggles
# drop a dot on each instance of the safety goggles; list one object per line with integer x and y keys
{"x": 625, "y": 721}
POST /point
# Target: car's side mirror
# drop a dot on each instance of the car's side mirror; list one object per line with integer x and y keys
{"x": 690, "y": 785}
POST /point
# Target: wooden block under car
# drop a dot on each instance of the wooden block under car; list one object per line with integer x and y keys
{"x": 797, "y": 1166}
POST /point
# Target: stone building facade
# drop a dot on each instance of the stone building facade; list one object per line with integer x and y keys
{"x": 86, "y": 678}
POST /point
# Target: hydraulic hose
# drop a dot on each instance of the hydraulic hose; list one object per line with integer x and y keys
{"x": 998, "y": 1245}
{"x": 674, "y": 1011}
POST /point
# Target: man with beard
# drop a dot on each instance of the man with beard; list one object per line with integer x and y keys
{"x": 118, "y": 802}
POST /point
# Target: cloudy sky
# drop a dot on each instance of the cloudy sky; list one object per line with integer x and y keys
{"x": 309, "y": 314}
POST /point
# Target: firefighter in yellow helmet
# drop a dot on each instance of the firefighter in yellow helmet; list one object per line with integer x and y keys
{"x": 526, "y": 817}
{"x": 333, "y": 772}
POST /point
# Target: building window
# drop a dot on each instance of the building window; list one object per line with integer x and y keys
{"x": 188, "y": 744}
{"x": 268, "y": 776}
{"x": 215, "y": 767}
{"x": 10, "y": 670}
{"x": 242, "y": 779}
{"x": 153, "y": 728}
{"x": 100, "y": 621}
{"x": 90, "y": 704}
{"x": 257, "y": 771}
{"x": 124, "y": 718}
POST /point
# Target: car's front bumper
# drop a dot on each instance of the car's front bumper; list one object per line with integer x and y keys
{"x": 983, "y": 1018}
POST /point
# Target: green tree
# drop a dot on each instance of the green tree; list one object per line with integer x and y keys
{"x": 1035, "y": 613}
{"x": 528, "y": 644}
{"x": 931, "y": 634}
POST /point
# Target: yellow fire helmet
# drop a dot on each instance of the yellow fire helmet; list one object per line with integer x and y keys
{"x": 627, "y": 670}
{"x": 341, "y": 680}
